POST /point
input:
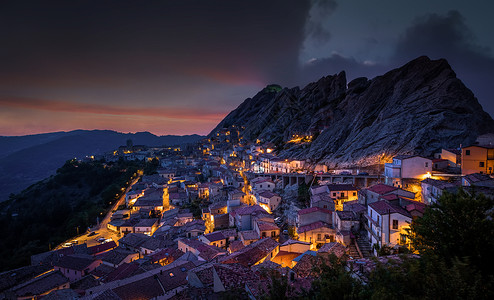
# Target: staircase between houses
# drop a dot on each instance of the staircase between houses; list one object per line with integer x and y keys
{"x": 353, "y": 252}
{"x": 364, "y": 245}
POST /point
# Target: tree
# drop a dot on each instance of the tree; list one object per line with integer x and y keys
{"x": 458, "y": 226}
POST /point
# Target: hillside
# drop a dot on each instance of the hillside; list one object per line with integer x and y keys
{"x": 25, "y": 160}
{"x": 418, "y": 108}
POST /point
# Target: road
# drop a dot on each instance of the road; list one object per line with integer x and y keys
{"x": 101, "y": 230}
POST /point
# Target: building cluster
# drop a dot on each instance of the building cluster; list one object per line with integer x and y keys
{"x": 215, "y": 217}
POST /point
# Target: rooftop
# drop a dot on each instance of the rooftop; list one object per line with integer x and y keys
{"x": 383, "y": 207}
{"x": 382, "y": 189}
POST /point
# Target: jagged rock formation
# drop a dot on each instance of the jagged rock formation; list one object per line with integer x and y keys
{"x": 416, "y": 109}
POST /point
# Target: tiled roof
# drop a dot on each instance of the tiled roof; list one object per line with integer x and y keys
{"x": 40, "y": 285}
{"x": 291, "y": 242}
{"x": 214, "y": 236}
{"x": 420, "y": 207}
{"x": 247, "y": 210}
{"x": 234, "y": 275}
{"x": 346, "y": 215}
{"x": 382, "y": 189}
{"x": 312, "y": 210}
{"x": 207, "y": 252}
{"x": 267, "y": 226}
{"x": 133, "y": 239}
{"x": 75, "y": 262}
{"x": 268, "y": 194}
{"x": 115, "y": 256}
{"x": 251, "y": 254}
{"x": 123, "y": 271}
{"x": 235, "y": 246}
{"x": 336, "y": 248}
{"x": 477, "y": 177}
{"x": 248, "y": 235}
{"x": 218, "y": 205}
{"x": 439, "y": 183}
{"x": 154, "y": 244}
{"x": 101, "y": 247}
{"x": 341, "y": 187}
{"x": 312, "y": 226}
{"x": 354, "y": 206}
{"x": 383, "y": 207}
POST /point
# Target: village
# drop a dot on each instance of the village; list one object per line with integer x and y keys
{"x": 219, "y": 212}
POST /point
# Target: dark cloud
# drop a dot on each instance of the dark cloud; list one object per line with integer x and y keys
{"x": 146, "y": 39}
{"x": 315, "y": 32}
{"x": 437, "y": 36}
{"x": 447, "y": 36}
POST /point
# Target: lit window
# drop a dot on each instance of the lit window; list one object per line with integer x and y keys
{"x": 481, "y": 164}
{"x": 395, "y": 224}
{"x": 171, "y": 274}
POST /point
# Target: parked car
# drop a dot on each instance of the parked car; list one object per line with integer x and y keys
{"x": 67, "y": 245}
{"x": 75, "y": 242}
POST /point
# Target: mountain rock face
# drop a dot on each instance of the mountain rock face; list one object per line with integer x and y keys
{"x": 416, "y": 109}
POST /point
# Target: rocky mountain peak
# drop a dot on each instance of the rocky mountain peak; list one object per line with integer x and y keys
{"x": 418, "y": 108}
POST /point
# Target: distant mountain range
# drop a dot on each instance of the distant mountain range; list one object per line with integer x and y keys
{"x": 25, "y": 160}
{"x": 418, "y": 108}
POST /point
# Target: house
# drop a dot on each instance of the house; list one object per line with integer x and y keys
{"x": 264, "y": 184}
{"x": 242, "y": 217}
{"x": 203, "y": 251}
{"x": 387, "y": 224}
{"x": 342, "y": 193}
{"x": 76, "y": 266}
{"x": 153, "y": 245}
{"x": 477, "y": 179}
{"x": 312, "y": 214}
{"x": 214, "y": 239}
{"x": 375, "y": 192}
{"x": 146, "y": 226}
{"x": 38, "y": 286}
{"x": 323, "y": 200}
{"x": 118, "y": 256}
{"x": 345, "y": 222}
{"x": 453, "y": 156}
{"x": 406, "y": 166}
{"x": 433, "y": 189}
{"x": 289, "y": 250}
{"x": 268, "y": 200}
{"x": 477, "y": 159}
{"x": 133, "y": 241}
{"x": 267, "y": 229}
{"x": 318, "y": 232}
{"x": 440, "y": 164}
{"x": 253, "y": 254}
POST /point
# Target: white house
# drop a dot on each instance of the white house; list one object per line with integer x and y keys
{"x": 407, "y": 166}
{"x": 268, "y": 200}
{"x": 387, "y": 224}
{"x": 433, "y": 189}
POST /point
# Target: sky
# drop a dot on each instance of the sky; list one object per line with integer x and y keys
{"x": 179, "y": 67}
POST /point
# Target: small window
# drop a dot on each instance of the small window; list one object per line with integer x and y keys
{"x": 354, "y": 193}
{"x": 467, "y": 152}
{"x": 426, "y": 164}
{"x": 334, "y": 194}
{"x": 481, "y": 164}
{"x": 273, "y": 233}
{"x": 318, "y": 236}
{"x": 395, "y": 224}
{"x": 377, "y": 219}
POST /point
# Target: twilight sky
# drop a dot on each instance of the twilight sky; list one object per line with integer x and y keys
{"x": 178, "y": 67}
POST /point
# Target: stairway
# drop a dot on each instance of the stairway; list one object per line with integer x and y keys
{"x": 353, "y": 252}
{"x": 364, "y": 244}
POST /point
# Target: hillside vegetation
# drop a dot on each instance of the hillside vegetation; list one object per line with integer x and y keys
{"x": 54, "y": 210}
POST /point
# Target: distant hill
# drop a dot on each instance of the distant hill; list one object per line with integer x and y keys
{"x": 418, "y": 108}
{"x": 25, "y": 160}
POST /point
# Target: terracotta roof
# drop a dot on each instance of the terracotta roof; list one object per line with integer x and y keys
{"x": 235, "y": 246}
{"x": 248, "y": 235}
{"x": 477, "y": 177}
{"x": 382, "y": 189}
{"x": 341, "y": 187}
{"x": 101, "y": 247}
{"x": 40, "y": 285}
{"x": 251, "y": 254}
{"x": 291, "y": 242}
{"x": 439, "y": 183}
{"x": 247, "y": 210}
{"x": 267, "y": 226}
{"x": 314, "y": 209}
{"x": 133, "y": 239}
{"x": 346, "y": 215}
{"x": 312, "y": 226}
{"x": 354, "y": 206}
{"x": 336, "y": 248}
{"x": 123, "y": 271}
{"x": 268, "y": 194}
{"x": 207, "y": 252}
{"x": 214, "y": 236}
{"x": 420, "y": 207}
{"x": 115, "y": 256}
{"x": 383, "y": 207}
{"x": 75, "y": 262}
